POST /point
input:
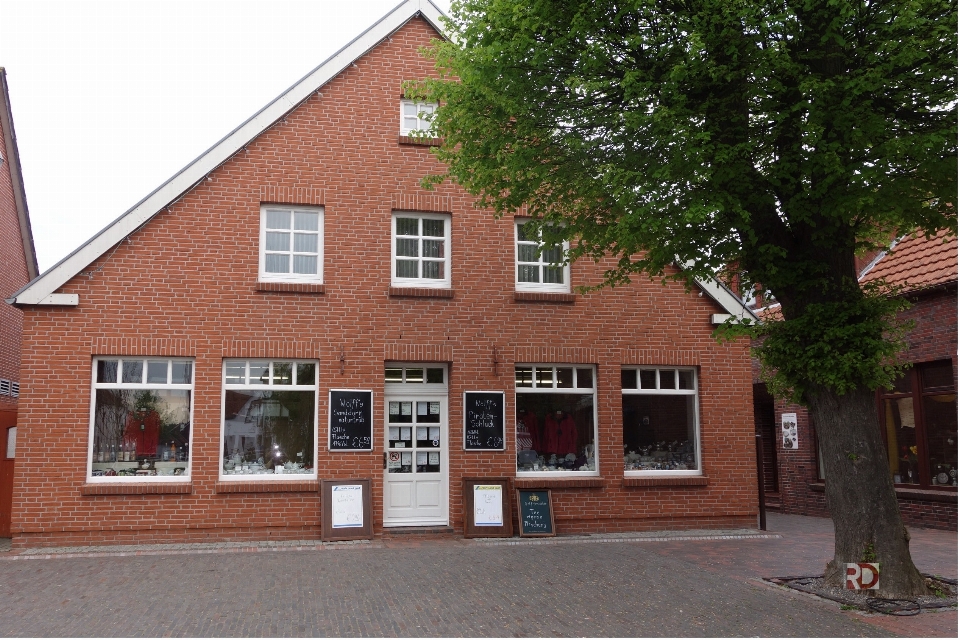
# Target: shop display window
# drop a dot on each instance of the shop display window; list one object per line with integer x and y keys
{"x": 142, "y": 414}
{"x": 919, "y": 421}
{"x": 556, "y": 419}
{"x": 660, "y": 421}
{"x": 269, "y": 419}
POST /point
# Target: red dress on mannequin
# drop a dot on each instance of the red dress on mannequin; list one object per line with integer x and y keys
{"x": 560, "y": 434}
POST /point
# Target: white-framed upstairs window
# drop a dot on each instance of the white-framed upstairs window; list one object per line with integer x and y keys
{"x": 556, "y": 419}
{"x": 420, "y": 250}
{"x": 140, "y": 422}
{"x": 661, "y": 421}
{"x": 540, "y": 267}
{"x": 291, "y": 244}
{"x": 414, "y": 118}
{"x": 269, "y": 420}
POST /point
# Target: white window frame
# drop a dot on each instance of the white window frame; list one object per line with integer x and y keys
{"x": 248, "y": 386}
{"x": 313, "y": 278}
{"x": 657, "y": 391}
{"x": 423, "y": 127}
{"x": 564, "y": 391}
{"x": 546, "y": 287}
{"x": 94, "y": 386}
{"x": 431, "y": 283}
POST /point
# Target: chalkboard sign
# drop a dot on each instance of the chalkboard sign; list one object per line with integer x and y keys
{"x": 535, "y": 512}
{"x": 351, "y": 420}
{"x": 483, "y": 420}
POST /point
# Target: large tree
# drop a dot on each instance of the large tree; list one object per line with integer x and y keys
{"x": 774, "y": 139}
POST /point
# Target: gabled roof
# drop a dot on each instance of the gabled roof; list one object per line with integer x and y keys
{"x": 11, "y": 155}
{"x": 42, "y": 291}
{"x": 916, "y": 262}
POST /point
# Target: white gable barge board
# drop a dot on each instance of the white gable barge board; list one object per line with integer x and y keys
{"x": 730, "y": 302}
{"x": 39, "y": 291}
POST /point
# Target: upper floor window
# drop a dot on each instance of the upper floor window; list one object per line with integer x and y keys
{"x": 660, "y": 421}
{"x": 540, "y": 267}
{"x": 414, "y": 117}
{"x": 142, "y": 415}
{"x": 421, "y": 250}
{"x": 291, "y": 244}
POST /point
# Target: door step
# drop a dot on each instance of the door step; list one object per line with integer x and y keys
{"x": 414, "y": 532}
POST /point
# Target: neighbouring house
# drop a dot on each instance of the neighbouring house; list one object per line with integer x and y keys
{"x": 18, "y": 265}
{"x": 293, "y": 308}
{"x": 917, "y": 418}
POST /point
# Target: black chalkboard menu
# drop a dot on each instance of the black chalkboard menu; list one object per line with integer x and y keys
{"x": 483, "y": 420}
{"x": 535, "y": 512}
{"x": 351, "y": 420}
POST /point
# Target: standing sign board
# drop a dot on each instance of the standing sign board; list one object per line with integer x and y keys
{"x": 487, "y": 512}
{"x": 351, "y": 420}
{"x": 535, "y": 513}
{"x": 346, "y": 512}
{"x": 483, "y": 420}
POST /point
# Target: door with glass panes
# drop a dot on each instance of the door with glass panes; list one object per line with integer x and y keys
{"x": 416, "y": 477}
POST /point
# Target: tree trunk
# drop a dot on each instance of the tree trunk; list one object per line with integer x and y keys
{"x": 860, "y": 493}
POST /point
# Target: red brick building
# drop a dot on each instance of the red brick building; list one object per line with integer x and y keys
{"x": 918, "y": 418}
{"x": 292, "y": 307}
{"x": 18, "y": 265}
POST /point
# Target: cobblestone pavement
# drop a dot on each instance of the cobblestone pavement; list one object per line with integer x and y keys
{"x": 615, "y": 586}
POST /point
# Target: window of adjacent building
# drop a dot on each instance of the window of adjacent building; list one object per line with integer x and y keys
{"x": 142, "y": 416}
{"x": 291, "y": 244}
{"x": 919, "y": 422}
{"x": 269, "y": 419}
{"x": 421, "y": 250}
{"x": 660, "y": 421}
{"x": 556, "y": 418}
{"x": 540, "y": 267}
{"x": 414, "y": 117}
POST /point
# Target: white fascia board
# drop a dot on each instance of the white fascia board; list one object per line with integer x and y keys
{"x": 733, "y": 305}
{"x": 188, "y": 177}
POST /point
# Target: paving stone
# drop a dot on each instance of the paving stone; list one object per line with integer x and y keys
{"x": 660, "y": 584}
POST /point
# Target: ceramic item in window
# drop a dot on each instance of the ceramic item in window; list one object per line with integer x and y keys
{"x": 942, "y": 478}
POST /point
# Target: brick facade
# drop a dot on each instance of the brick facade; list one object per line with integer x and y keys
{"x": 186, "y": 285}
{"x": 934, "y": 337}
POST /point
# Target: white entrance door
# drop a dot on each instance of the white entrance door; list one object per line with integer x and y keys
{"x": 416, "y": 478}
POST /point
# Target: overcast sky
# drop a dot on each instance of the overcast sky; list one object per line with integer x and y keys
{"x": 111, "y": 98}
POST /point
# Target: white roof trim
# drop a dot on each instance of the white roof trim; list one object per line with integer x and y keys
{"x": 39, "y": 291}
{"x": 730, "y": 302}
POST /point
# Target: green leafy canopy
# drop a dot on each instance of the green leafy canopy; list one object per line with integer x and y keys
{"x": 770, "y": 141}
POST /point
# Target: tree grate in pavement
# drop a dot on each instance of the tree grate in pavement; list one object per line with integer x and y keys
{"x": 860, "y": 599}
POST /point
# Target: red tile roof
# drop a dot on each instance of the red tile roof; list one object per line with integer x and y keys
{"x": 917, "y": 263}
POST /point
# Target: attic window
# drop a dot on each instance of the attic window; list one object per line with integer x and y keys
{"x": 291, "y": 244}
{"x": 415, "y": 118}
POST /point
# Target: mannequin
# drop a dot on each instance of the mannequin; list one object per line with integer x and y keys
{"x": 528, "y": 432}
{"x": 560, "y": 433}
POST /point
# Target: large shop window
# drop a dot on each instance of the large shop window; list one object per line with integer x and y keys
{"x": 919, "y": 421}
{"x": 660, "y": 422}
{"x": 142, "y": 413}
{"x": 291, "y": 244}
{"x": 269, "y": 419}
{"x": 540, "y": 267}
{"x": 421, "y": 250}
{"x": 556, "y": 419}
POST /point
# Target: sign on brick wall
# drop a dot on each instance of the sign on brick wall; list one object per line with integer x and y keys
{"x": 788, "y": 431}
